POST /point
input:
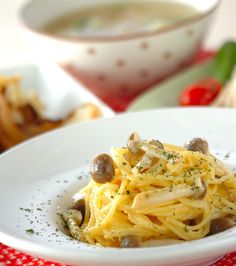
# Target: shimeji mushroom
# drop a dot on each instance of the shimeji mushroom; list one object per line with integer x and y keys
{"x": 73, "y": 219}
{"x": 130, "y": 241}
{"x": 134, "y": 143}
{"x": 102, "y": 169}
{"x": 150, "y": 152}
{"x": 197, "y": 145}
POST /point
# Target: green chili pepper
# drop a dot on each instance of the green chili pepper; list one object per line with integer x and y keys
{"x": 224, "y": 62}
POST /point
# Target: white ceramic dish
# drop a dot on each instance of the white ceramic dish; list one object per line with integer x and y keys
{"x": 42, "y": 174}
{"x": 57, "y": 90}
{"x": 125, "y": 64}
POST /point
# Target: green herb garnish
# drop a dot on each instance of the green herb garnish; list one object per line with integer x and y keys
{"x": 30, "y": 231}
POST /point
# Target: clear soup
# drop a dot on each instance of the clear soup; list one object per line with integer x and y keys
{"x": 119, "y": 19}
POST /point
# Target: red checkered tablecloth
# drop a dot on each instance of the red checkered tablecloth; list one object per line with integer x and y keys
{"x": 12, "y": 257}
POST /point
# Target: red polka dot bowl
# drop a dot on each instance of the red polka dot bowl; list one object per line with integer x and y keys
{"x": 124, "y": 64}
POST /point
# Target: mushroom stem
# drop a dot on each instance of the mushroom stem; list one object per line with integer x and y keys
{"x": 154, "y": 197}
{"x": 144, "y": 164}
{"x": 134, "y": 143}
{"x": 73, "y": 219}
{"x": 151, "y": 152}
{"x": 201, "y": 189}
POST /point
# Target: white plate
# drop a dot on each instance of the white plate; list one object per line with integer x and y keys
{"x": 58, "y": 91}
{"x": 38, "y": 178}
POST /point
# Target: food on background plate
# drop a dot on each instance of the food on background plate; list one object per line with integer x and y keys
{"x": 151, "y": 194}
{"x": 227, "y": 97}
{"x": 120, "y": 18}
{"x": 21, "y": 114}
{"x": 204, "y": 92}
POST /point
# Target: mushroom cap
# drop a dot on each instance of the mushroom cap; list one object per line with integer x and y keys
{"x": 197, "y": 145}
{"x": 129, "y": 241}
{"x": 102, "y": 168}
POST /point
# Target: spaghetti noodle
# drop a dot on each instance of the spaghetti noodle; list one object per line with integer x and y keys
{"x": 158, "y": 194}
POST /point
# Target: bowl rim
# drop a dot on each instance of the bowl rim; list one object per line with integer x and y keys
{"x": 124, "y": 37}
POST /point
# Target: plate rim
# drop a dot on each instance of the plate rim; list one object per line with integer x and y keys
{"x": 226, "y": 243}
{"x": 132, "y": 105}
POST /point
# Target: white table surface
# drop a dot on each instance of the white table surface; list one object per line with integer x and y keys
{"x": 14, "y": 49}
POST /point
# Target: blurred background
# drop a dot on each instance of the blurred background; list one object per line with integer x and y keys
{"x": 13, "y": 48}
